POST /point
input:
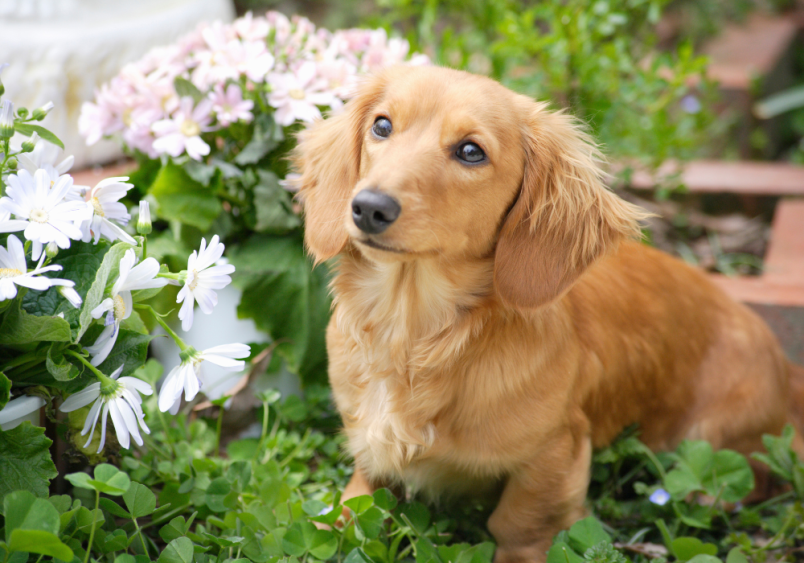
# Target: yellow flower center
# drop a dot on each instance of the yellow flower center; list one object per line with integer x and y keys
{"x": 38, "y": 216}
{"x": 190, "y": 128}
{"x": 119, "y": 308}
{"x": 96, "y": 205}
{"x": 126, "y": 117}
{"x": 6, "y": 273}
{"x": 296, "y": 94}
{"x": 193, "y": 280}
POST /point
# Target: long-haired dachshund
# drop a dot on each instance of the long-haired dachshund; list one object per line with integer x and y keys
{"x": 492, "y": 320}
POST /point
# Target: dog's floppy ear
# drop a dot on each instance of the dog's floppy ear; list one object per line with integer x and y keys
{"x": 563, "y": 219}
{"x": 328, "y": 159}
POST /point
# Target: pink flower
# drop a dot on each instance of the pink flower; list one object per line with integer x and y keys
{"x": 296, "y": 95}
{"x": 230, "y": 106}
{"x": 250, "y": 28}
{"x": 183, "y": 131}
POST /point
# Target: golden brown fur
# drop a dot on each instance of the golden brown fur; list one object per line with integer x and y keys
{"x": 503, "y": 325}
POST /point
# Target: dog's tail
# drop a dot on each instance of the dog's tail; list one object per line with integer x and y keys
{"x": 797, "y": 406}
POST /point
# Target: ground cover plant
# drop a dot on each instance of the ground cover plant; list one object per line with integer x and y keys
{"x": 210, "y": 126}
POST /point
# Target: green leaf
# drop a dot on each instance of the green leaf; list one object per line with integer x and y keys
{"x": 20, "y": 328}
{"x": 25, "y": 462}
{"x": 216, "y": 494}
{"x": 480, "y": 553}
{"x": 561, "y": 552}
{"x": 370, "y": 522}
{"x": 313, "y": 507}
{"x": 267, "y": 136}
{"x": 587, "y": 533}
{"x": 731, "y": 477}
{"x": 736, "y": 555}
{"x": 357, "y": 555}
{"x": 113, "y": 508}
{"x": 58, "y": 366}
{"x": 183, "y": 199}
{"x": 38, "y": 541}
{"x": 273, "y": 205}
{"x": 297, "y": 312}
{"x": 360, "y": 504}
{"x": 5, "y": 390}
{"x": 176, "y": 528}
{"x": 299, "y": 538}
{"x": 103, "y": 276}
{"x": 704, "y": 558}
{"x": 186, "y": 88}
{"x": 324, "y": 544}
{"x": 139, "y": 500}
{"x": 685, "y": 548}
{"x": 179, "y": 550}
{"x": 385, "y": 499}
{"x": 28, "y": 129}
{"x": 108, "y": 479}
{"x": 418, "y": 516}
{"x": 24, "y": 511}
{"x": 130, "y": 351}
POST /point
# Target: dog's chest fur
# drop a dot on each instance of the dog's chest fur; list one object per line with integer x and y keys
{"x": 398, "y": 340}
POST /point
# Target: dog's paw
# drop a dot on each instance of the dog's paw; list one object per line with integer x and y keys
{"x": 524, "y": 554}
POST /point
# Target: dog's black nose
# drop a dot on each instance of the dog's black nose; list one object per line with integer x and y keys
{"x": 373, "y": 212}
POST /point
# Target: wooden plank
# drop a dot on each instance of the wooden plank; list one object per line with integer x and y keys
{"x": 91, "y": 176}
{"x": 740, "y": 177}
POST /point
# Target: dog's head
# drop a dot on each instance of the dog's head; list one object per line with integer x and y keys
{"x": 427, "y": 161}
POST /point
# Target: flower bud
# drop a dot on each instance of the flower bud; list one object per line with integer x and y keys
{"x": 12, "y": 163}
{"x": 144, "y": 221}
{"x": 40, "y": 113}
{"x": 7, "y": 120}
{"x": 30, "y": 144}
{"x": 51, "y": 250}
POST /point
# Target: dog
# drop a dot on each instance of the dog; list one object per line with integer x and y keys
{"x": 493, "y": 319}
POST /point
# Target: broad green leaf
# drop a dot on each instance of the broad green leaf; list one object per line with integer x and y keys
{"x": 705, "y": 558}
{"x": 179, "y": 550}
{"x": 736, "y": 555}
{"x": 58, "y": 366}
{"x": 371, "y": 521}
{"x": 24, "y": 511}
{"x": 561, "y": 552}
{"x": 314, "y": 507}
{"x": 125, "y": 558}
{"x": 176, "y": 528}
{"x": 139, "y": 500}
{"x": 5, "y": 390}
{"x": 79, "y": 263}
{"x": 216, "y": 494}
{"x": 183, "y": 199}
{"x": 25, "y": 462}
{"x": 38, "y": 541}
{"x": 686, "y": 548}
{"x": 105, "y": 274}
{"x": 299, "y": 538}
{"x": 185, "y": 88}
{"x": 19, "y": 329}
{"x": 113, "y": 508}
{"x": 587, "y": 533}
{"x": 130, "y": 351}
{"x": 84, "y": 519}
{"x": 417, "y": 514}
{"x": 357, "y": 555}
{"x": 117, "y": 482}
{"x": 273, "y": 206}
{"x": 360, "y": 504}
{"x": 385, "y": 499}
{"x": 324, "y": 544}
{"x": 28, "y": 129}
{"x": 297, "y": 312}
{"x": 267, "y": 136}
{"x": 731, "y": 477}
{"x": 118, "y": 540}
{"x": 480, "y": 553}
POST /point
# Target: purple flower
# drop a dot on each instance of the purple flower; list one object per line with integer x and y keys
{"x": 660, "y": 497}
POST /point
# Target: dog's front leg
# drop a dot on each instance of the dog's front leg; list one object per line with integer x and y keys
{"x": 358, "y": 485}
{"x": 542, "y": 498}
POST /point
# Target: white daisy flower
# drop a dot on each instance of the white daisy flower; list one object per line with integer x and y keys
{"x": 118, "y": 307}
{"x": 39, "y": 203}
{"x": 70, "y": 295}
{"x": 115, "y": 397}
{"x": 14, "y": 271}
{"x": 104, "y": 201}
{"x": 44, "y": 156}
{"x": 202, "y": 278}
{"x": 188, "y": 376}
{"x": 16, "y": 410}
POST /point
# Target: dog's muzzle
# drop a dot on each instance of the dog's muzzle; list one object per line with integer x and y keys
{"x": 373, "y": 212}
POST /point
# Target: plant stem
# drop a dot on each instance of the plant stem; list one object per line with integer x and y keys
{"x": 179, "y": 342}
{"x": 139, "y": 533}
{"x": 92, "y": 531}
{"x": 218, "y": 431}
{"x": 19, "y": 360}
{"x": 100, "y": 375}
{"x": 165, "y": 430}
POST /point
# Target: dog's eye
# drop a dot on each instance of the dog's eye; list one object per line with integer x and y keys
{"x": 382, "y": 127}
{"x": 470, "y": 152}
